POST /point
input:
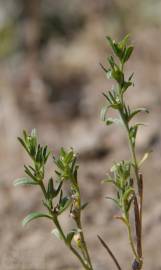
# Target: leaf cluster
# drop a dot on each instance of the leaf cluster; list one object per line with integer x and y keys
{"x": 37, "y": 153}
{"x": 55, "y": 200}
{"x": 120, "y": 177}
{"x": 115, "y": 97}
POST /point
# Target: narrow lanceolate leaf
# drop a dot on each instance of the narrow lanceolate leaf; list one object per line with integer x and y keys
{"x": 64, "y": 204}
{"x": 24, "y": 181}
{"x": 57, "y": 233}
{"x": 122, "y": 219}
{"x": 103, "y": 113}
{"x": 144, "y": 158}
{"x": 70, "y": 236}
{"x": 33, "y": 216}
{"x": 128, "y": 193}
{"x": 133, "y": 113}
{"x": 83, "y": 206}
{"x": 110, "y": 121}
{"x": 123, "y": 42}
{"x": 114, "y": 200}
{"x": 128, "y": 53}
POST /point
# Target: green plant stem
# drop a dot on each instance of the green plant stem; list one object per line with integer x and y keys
{"x": 132, "y": 243}
{"x": 57, "y": 224}
{"x": 132, "y": 148}
{"x": 85, "y": 246}
{"x": 78, "y": 221}
{"x": 43, "y": 189}
{"x": 136, "y": 171}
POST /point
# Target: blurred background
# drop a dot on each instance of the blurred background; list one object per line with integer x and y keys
{"x": 50, "y": 79}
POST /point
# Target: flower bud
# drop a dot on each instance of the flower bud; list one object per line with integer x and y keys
{"x": 77, "y": 239}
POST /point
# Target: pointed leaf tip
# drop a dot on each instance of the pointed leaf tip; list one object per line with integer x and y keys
{"x": 33, "y": 216}
{"x": 24, "y": 181}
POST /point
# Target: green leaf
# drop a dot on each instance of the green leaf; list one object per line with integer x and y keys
{"x": 112, "y": 42}
{"x": 115, "y": 46}
{"x": 24, "y": 181}
{"x": 133, "y": 113}
{"x": 69, "y": 237}
{"x": 123, "y": 42}
{"x": 28, "y": 172}
{"x": 128, "y": 193}
{"x": 103, "y": 113}
{"x": 33, "y": 216}
{"x": 104, "y": 69}
{"x": 128, "y": 53}
{"x": 69, "y": 157}
{"x": 110, "y": 121}
{"x": 109, "y": 180}
{"x": 109, "y": 73}
{"x": 126, "y": 85}
{"x": 51, "y": 190}
{"x": 33, "y": 133}
{"x": 64, "y": 204}
{"x": 84, "y": 205}
{"x": 23, "y": 144}
{"x": 57, "y": 233}
{"x": 122, "y": 219}
{"x": 118, "y": 76}
{"x": 114, "y": 200}
{"x": 130, "y": 77}
{"x": 144, "y": 158}
{"x": 133, "y": 132}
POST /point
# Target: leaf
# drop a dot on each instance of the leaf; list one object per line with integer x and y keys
{"x": 117, "y": 50}
{"x": 109, "y": 180}
{"x": 58, "y": 188}
{"x": 33, "y": 133}
{"x": 111, "y": 121}
{"x": 109, "y": 73}
{"x": 28, "y": 172}
{"x": 24, "y": 145}
{"x": 126, "y": 85}
{"x": 51, "y": 190}
{"x": 33, "y": 216}
{"x": 70, "y": 236}
{"x": 118, "y": 76}
{"x": 144, "y": 158}
{"x": 137, "y": 111}
{"x": 69, "y": 157}
{"x": 84, "y": 205}
{"x": 123, "y": 42}
{"x": 24, "y": 181}
{"x": 103, "y": 113}
{"x": 111, "y": 42}
{"x": 57, "y": 233}
{"x": 127, "y": 194}
{"x": 133, "y": 132}
{"x": 114, "y": 200}
{"x": 130, "y": 77}
{"x": 104, "y": 69}
{"x": 64, "y": 204}
{"x": 122, "y": 219}
{"x": 128, "y": 53}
